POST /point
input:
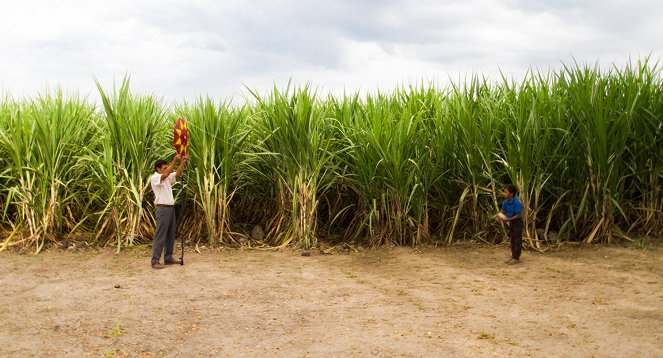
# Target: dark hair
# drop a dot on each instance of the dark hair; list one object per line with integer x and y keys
{"x": 512, "y": 189}
{"x": 159, "y": 163}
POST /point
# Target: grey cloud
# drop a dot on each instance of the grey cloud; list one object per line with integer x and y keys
{"x": 264, "y": 37}
{"x": 202, "y": 46}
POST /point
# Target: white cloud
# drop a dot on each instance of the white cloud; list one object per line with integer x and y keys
{"x": 184, "y": 49}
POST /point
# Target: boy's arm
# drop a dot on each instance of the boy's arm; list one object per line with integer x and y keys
{"x": 515, "y": 217}
{"x": 497, "y": 217}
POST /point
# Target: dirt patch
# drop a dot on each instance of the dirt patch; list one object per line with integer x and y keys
{"x": 456, "y": 301}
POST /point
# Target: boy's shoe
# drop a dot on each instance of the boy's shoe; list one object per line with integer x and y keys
{"x": 158, "y": 266}
{"x": 513, "y": 262}
{"x": 173, "y": 262}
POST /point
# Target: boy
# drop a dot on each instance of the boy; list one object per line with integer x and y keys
{"x": 161, "y": 182}
{"x": 511, "y": 212}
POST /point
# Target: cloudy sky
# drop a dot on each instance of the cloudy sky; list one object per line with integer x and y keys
{"x": 184, "y": 49}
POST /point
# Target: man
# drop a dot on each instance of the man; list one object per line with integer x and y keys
{"x": 161, "y": 182}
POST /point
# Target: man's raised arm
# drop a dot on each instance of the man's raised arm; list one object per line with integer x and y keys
{"x": 170, "y": 167}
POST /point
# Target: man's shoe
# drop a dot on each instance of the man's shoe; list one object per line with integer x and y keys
{"x": 513, "y": 262}
{"x": 173, "y": 262}
{"x": 158, "y": 266}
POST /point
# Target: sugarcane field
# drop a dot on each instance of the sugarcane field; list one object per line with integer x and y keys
{"x": 485, "y": 218}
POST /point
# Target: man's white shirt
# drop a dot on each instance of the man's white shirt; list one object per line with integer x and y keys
{"x": 163, "y": 190}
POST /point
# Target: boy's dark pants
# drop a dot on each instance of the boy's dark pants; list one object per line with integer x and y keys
{"x": 164, "y": 240}
{"x": 516, "y": 235}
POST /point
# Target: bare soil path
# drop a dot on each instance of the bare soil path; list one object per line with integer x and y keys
{"x": 431, "y": 302}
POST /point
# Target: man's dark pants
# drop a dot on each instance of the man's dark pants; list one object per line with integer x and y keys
{"x": 516, "y": 235}
{"x": 165, "y": 234}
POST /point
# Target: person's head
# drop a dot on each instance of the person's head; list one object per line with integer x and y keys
{"x": 160, "y": 165}
{"x": 509, "y": 191}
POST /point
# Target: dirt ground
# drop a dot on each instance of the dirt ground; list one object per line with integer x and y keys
{"x": 395, "y": 302}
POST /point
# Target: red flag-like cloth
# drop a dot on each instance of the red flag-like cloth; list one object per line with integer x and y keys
{"x": 180, "y": 136}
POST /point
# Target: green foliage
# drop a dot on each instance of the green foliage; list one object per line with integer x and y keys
{"x": 386, "y": 163}
{"x": 40, "y": 142}
{"x": 291, "y": 152}
{"x": 130, "y": 141}
{"x": 584, "y": 145}
{"x": 217, "y": 156}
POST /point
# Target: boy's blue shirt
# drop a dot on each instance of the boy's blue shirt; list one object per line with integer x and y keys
{"x": 512, "y": 208}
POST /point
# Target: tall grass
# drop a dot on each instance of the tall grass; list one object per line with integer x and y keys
{"x": 132, "y": 138}
{"x": 534, "y": 147}
{"x": 643, "y": 156}
{"x": 40, "y": 142}
{"x": 217, "y": 158}
{"x": 291, "y": 152}
{"x": 584, "y": 145}
{"x": 474, "y": 178}
{"x": 386, "y": 163}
